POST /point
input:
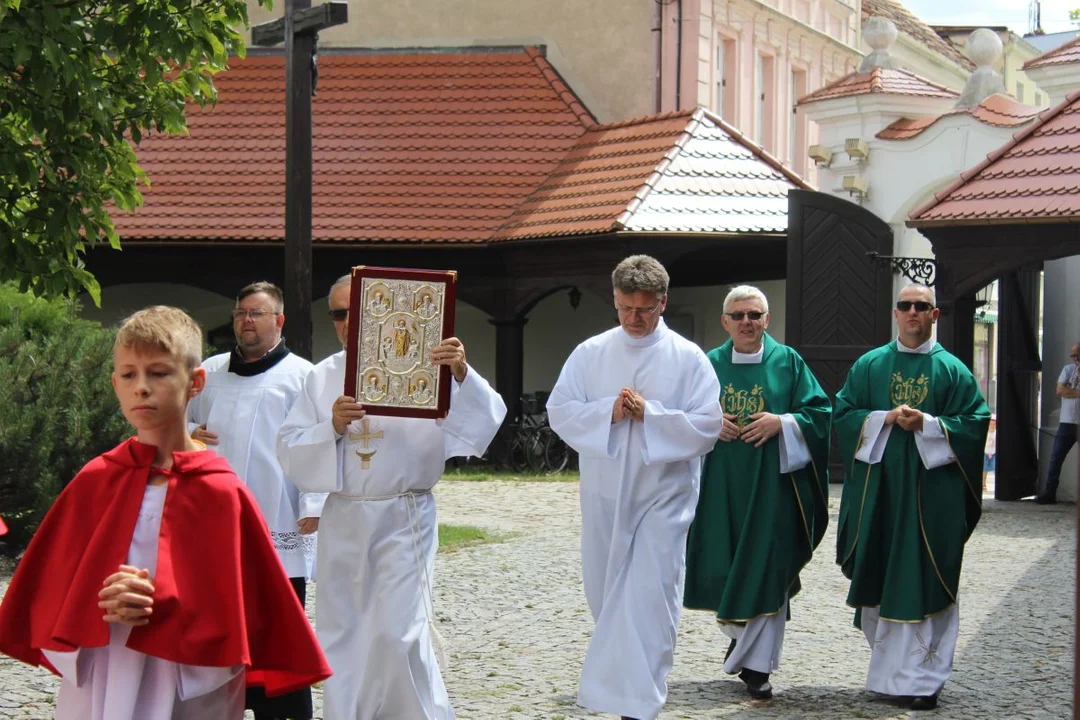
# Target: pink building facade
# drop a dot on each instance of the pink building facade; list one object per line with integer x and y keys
{"x": 750, "y": 60}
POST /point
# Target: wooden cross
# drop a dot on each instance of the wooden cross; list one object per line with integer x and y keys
{"x": 366, "y": 437}
{"x": 299, "y": 31}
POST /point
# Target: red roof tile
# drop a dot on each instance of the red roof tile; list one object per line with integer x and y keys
{"x": 912, "y": 26}
{"x": 1032, "y": 178}
{"x": 880, "y": 80}
{"x": 437, "y": 146}
{"x": 997, "y": 110}
{"x": 458, "y": 147}
{"x": 679, "y": 172}
{"x": 1067, "y": 53}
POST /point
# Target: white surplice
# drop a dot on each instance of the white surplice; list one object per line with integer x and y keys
{"x": 115, "y": 683}
{"x": 246, "y": 413}
{"x": 639, "y": 490}
{"x": 759, "y": 641}
{"x": 379, "y": 537}
{"x": 909, "y": 658}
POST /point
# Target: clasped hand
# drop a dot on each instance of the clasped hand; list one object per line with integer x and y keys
{"x": 126, "y": 597}
{"x": 628, "y": 404}
{"x": 906, "y": 417}
{"x": 763, "y": 427}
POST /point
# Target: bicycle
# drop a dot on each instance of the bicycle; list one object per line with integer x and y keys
{"x": 535, "y": 446}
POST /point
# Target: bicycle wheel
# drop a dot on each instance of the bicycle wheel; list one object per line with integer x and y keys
{"x": 533, "y": 442}
{"x": 556, "y": 452}
{"x": 519, "y": 459}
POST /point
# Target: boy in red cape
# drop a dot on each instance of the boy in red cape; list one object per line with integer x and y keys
{"x": 152, "y": 586}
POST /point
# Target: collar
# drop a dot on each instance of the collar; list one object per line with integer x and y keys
{"x": 923, "y": 349}
{"x": 754, "y": 358}
{"x": 135, "y": 454}
{"x": 239, "y": 366}
{"x": 649, "y": 340}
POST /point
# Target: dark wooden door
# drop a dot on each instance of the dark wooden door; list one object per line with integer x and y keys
{"x": 1019, "y": 364}
{"x": 838, "y": 299}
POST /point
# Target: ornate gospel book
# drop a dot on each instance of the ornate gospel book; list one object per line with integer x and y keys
{"x": 403, "y": 315}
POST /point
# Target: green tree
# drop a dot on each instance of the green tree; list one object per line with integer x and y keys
{"x": 80, "y": 81}
{"x": 57, "y": 406}
{"x": 1074, "y": 16}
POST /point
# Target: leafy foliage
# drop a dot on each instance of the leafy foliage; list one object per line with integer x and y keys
{"x": 79, "y": 79}
{"x": 57, "y": 406}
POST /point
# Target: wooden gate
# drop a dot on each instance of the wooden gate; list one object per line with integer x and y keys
{"x": 838, "y": 299}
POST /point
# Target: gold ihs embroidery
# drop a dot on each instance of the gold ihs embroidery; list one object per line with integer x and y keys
{"x": 908, "y": 391}
{"x": 743, "y": 403}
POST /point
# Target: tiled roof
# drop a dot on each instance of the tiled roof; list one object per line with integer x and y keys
{"x": 680, "y": 172}
{"x": 455, "y": 147}
{"x": 997, "y": 110}
{"x": 432, "y": 146}
{"x": 1032, "y": 178}
{"x": 1067, "y": 53}
{"x": 880, "y": 80}
{"x": 915, "y": 28}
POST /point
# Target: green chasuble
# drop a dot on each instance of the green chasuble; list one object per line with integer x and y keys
{"x": 755, "y": 529}
{"x": 902, "y": 528}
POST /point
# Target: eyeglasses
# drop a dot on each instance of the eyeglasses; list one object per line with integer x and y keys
{"x": 738, "y": 316}
{"x": 256, "y": 314}
{"x": 919, "y": 305}
{"x": 339, "y": 314}
{"x": 640, "y": 312}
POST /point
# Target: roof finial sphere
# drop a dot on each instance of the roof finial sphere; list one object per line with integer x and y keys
{"x": 984, "y": 47}
{"x": 879, "y": 33}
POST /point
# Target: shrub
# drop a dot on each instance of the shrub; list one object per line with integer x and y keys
{"x": 57, "y": 406}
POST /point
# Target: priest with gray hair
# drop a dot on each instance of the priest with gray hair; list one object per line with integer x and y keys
{"x": 764, "y": 492}
{"x": 640, "y": 405}
{"x": 373, "y": 592}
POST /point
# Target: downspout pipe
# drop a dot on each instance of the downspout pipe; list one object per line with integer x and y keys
{"x": 678, "y": 59}
{"x": 659, "y": 30}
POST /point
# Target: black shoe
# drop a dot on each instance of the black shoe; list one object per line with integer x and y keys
{"x": 925, "y": 702}
{"x": 1045, "y": 500}
{"x": 757, "y": 683}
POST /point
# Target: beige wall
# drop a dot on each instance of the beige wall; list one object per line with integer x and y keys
{"x": 604, "y": 49}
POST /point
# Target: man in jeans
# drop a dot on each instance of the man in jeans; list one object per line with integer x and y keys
{"x": 1068, "y": 389}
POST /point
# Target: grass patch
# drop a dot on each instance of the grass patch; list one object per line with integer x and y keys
{"x": 473, "y": 475}
{"x": 455, "y": 537}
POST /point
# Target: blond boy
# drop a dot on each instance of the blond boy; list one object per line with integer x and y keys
{"x": 152, "y": 582}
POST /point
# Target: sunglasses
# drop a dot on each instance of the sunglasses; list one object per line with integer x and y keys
{"x": 919, "y": 305}
{"x": 738, "y": 316}
{"x": 339, "y": 314}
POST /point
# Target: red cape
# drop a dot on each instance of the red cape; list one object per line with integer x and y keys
{"x": 3, "y": 527}
{"x": 221, "y": 595}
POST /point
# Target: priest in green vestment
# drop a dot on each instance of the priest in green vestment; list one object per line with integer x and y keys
{"x": 911, "y": 424}
{"x": 762, "y": 508}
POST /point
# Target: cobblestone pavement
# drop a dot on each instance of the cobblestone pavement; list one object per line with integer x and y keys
{"x": 516, "y": 623}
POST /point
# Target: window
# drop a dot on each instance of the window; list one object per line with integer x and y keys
{"x": 764, "y": 122}
{"x": 1021, "y": 91}
{"x": 724, "y": 92}
{"x": 797, "y": 124}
